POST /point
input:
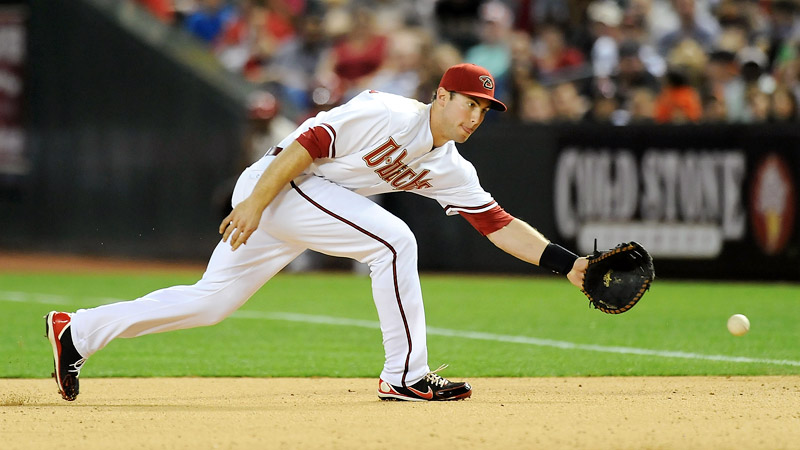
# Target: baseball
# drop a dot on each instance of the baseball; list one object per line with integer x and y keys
{"x": 738, "y": 324}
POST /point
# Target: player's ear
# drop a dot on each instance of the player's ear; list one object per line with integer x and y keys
{"x": 442, "y": 95}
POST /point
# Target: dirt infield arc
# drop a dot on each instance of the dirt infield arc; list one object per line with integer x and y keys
{"x": 507, "y": 413}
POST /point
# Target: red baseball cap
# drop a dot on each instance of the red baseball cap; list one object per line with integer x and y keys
{"x": 472, "y": 80}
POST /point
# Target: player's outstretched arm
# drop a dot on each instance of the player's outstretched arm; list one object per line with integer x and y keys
{"x": 526, "y": 243}
{"x": 521, "y": 240}
{"x": 243, "y": 220}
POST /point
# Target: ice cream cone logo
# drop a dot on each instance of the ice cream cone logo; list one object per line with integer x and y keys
{"x": 772, "y": 204}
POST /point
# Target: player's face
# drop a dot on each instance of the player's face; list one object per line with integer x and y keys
{"x": 463, "y": 115}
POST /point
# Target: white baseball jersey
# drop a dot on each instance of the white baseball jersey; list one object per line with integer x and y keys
{"x": 378, "y": 143}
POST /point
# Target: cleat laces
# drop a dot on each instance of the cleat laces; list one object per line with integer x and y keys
{"x": 436, "y": 379}
{"x": 76, "y": 366}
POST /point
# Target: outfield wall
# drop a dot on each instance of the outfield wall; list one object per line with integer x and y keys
{"x": 131, "y": 132}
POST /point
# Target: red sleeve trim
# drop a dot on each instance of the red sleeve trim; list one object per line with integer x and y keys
{"x": 319, "y": 141}
{"x": 488, "y": 222}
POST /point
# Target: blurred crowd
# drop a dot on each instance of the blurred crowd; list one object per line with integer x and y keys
{"x": 603, "y": 61}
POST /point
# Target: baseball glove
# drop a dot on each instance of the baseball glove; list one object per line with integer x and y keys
{"x": 616, "y": 279}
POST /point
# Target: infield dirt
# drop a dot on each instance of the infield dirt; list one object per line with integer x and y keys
{"x": 324, "y": 413}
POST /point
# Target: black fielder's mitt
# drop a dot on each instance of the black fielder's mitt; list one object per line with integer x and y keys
{"x": 616, "y": 279}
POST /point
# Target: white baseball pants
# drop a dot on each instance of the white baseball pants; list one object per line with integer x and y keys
{"x": 315, "y": 214}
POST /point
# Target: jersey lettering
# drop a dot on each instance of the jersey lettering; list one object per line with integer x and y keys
{"x": 394, "y": 170}
{"x": 391, "y": 168}
{"x": 381, "y": 154}
{"x": 417, "y": 182}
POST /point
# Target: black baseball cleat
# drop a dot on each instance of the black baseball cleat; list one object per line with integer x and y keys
{"x": 432, "y": 387}
{"x": 66, "y": 359}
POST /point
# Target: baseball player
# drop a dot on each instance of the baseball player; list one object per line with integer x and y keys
{"x": 309, "y": 193}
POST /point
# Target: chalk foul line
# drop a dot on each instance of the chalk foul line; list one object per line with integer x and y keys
{"x": 482, "y": 336}
{"x": 23, "y": 297}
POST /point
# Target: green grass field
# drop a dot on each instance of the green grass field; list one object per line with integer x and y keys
{"x": 326, "y": 325}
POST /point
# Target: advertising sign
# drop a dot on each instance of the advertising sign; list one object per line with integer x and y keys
{"x": 677, "y": 203}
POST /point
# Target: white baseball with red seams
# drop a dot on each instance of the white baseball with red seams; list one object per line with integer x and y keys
{"x": 376, "y": 143}
{"x": 738, "y": 324}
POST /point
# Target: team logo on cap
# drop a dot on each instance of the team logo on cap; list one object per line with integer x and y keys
{"x": 488, "y": 83}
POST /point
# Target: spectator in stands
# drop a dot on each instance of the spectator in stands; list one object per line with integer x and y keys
{"x": 783, "y": 106}
{"x": 568, "y": 103}
{"x": 758, "y": 105}
{"x": 358, "y": 55}
{"x": 210, "y": 19}
{"x": 786, "y": 67}
{"x": 714, "y": 109}
{"x": 688, "y": 28}
{"x": 535, "y": 105}
{"x": 641, "y": 106}
{"x": 753, "y": 64}
{"x": 494, "y": 49}
{"x": 603, "y": 109}
{"x": 724, "y": 88}
{"x": 638, "y": 13}
{"x": 402, "y": 70}
{"x": 633, "y": 29}
{"x": 690, "y": 57}
{"x": 757, "y": 80}
{"x": 555, "y": 57}
{"x": 605, "y": 17}
{"x": 294, "y": 66}
{"x": 783, "y": 26}
{"x": 678, "y": 102}
{"x": 735, "y": 30}
{"x": 631, "y": 73}
{"x": 253, "y": 36}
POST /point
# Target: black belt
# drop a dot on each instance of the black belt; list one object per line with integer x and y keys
{"x": 273, "y": 151}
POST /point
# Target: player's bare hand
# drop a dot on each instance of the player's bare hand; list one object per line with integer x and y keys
{"x": 241, "y": 223}
{"x": 575, "y": 276}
